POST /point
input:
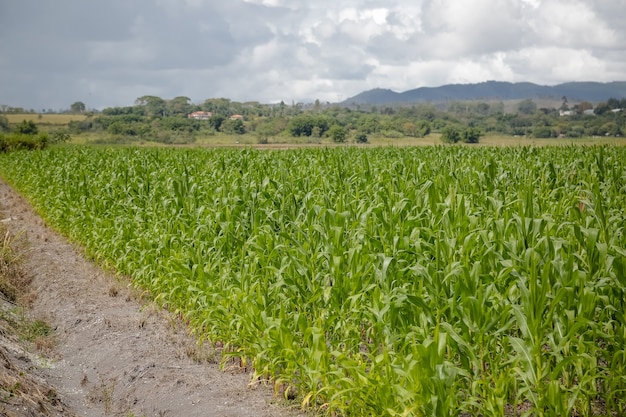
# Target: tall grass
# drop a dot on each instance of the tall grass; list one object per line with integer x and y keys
{"x": 429, "y": 281}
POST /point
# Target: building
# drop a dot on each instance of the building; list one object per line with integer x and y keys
{"x": 200, "y": 115}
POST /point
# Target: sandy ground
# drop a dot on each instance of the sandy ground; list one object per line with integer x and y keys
{"x": 114, "y": 355}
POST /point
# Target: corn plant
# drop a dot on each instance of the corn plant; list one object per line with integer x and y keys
{"x": 429, "y": 281}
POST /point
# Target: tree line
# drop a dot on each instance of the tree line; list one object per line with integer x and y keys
{"x": 153, "y": 118}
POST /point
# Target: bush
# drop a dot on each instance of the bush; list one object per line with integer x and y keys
{"x": 59, "y": 136}
{"x": 543, "y": 132}
{"x": 18, "y": 141}
{"x": 450, "y": 134}
{"x": 337, "y": 133}
{"x": 27, "y": 127}
{"x": 4, "y": 124}
{"x": 472, "y": 135}
{"x": 391, "y": 134}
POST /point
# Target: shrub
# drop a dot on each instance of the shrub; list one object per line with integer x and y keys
{"x": 450, "y": 134}
{"x": 18, "y": 141}
{"x": 472, "y": 135}
{"x": 361, "y": 137}
{"x": 337, "y": 133}
{"x": 27, "y": 127}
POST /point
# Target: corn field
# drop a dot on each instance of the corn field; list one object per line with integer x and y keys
{"x": 435, "y": 281}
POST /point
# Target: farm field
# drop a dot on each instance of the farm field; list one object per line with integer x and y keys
{"x": 435, "y": 280}
{"x": 44, "y": 119}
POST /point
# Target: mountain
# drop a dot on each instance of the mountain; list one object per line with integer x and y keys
{"x": 493, "y": 90}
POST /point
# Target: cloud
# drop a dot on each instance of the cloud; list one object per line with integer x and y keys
{"x": 109, "y": 53}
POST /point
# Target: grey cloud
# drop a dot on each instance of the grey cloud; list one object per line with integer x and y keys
{"x": 109, "y": 53}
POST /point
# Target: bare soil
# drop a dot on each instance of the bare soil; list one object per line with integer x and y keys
{"x": 114, "y": 354}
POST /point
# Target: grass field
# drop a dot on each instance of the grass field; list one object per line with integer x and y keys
{"x": 251, "y": 140}
{"x": 57, "y": 120}
{"x": 434, "y": 280}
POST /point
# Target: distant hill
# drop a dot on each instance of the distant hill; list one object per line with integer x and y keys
{"x": 493, "y": 90}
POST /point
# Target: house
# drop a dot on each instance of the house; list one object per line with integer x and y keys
{"x": 200, "y": 115}
{"x": 236, "y": 117}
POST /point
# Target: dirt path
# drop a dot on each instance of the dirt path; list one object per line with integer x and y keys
{"x": 114, "y": 355}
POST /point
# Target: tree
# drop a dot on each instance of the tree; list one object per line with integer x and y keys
{"x": 601, "y": 109}
{"x": 77, "y": 107}
{"x": 472, "y": 135}
{"x": 527, "y": 106}
{"x": 361, "y": 137}
{"x": 27, "y": 127}
{"x": 179, "y": 105}
{"x": 4, "y": 124}
{"x": 582, "y": 106}
{"x": 235, "y": 126}
{"x": 216, "y": 121}
{"x": 337, "y": 133}
{"x": 450, "y": 134}
{"x": 152, "y": 105}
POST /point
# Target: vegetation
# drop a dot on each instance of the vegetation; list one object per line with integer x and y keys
{"x": 153, "y": 119}
{"x": 438, "y": 281}
{"x": 26, "y": 135}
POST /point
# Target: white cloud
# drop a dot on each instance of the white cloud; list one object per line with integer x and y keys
{"x": 267, "y": 50}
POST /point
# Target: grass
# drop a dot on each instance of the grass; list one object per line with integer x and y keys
{"x": 15, "y": 288}
{"x": 282, "y": 142}
{"x": 13, "y": 282}
{"x": 56, "y": 120}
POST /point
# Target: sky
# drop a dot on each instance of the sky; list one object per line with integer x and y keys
{"x": 109, "y": 53}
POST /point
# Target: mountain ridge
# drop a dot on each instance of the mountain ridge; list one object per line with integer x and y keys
{"x": 493, "y": 90}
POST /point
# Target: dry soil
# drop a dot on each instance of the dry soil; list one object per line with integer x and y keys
{"x": 114, "y": 353}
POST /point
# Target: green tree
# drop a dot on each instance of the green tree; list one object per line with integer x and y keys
{"x": 179, "y": 106}
{"x": 77, "y": 107}
{"x": 4, "y": 124}
{"x": 337, "y": 133}
{"x": 152, "y": 105}
{"x": 27, "y": 127}
{"x": 527, "y": 106}
{"x": 233, "y": 126}
{"x": 216, "y": 121}
{"x": 601, "y": 109}
{"x": 361, "y": 137}
{"x": 450, "y": 134}
{"x": 471, "y": 135}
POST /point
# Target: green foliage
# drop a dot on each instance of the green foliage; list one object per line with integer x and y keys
{"x": 4, "y": 124}
{"x": 298, "y": 120}
{"x": 24, "y": 136}
{"x": 451, "y": 134}
{"x": 235, "y": 127}
{"x": 152, "y": 106}
{"x": 18, "y": 141}
{"x": 304, "y": 125}
{"x": 417, "y": 281}
{"x": 543, "y": 132}
{"x": 27, "y": 127}
{"x": 58, "y": 136}
{"x": 216, "y": 121}
{"x": 360, "y": 137}
{"x": 471, "y": 135}
{"x": 77, "y": 107}
{"x": 527, "y": 106}
{"x": 337, "y": 133}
